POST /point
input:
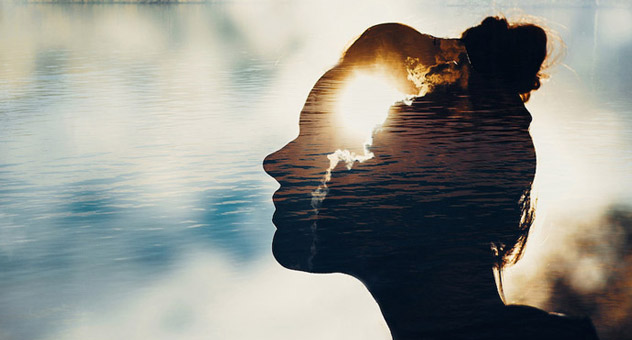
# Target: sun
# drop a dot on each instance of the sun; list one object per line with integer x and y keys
{"x": 364, "y": 103}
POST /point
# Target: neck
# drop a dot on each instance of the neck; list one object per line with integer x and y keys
{"x": 434, "y": 302}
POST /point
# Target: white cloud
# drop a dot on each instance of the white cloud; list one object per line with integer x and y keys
{"x": 208, "y": 297}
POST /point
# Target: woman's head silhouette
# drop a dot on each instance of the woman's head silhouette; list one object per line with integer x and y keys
{"x": 425, "y": 203}
{"x": 386, "y": 60}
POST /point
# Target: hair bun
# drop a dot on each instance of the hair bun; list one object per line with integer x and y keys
{"x": 495, "y": 23}
{"x": 513, "y": 53}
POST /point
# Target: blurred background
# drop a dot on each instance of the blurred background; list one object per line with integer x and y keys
{"x": 133, "y": 203}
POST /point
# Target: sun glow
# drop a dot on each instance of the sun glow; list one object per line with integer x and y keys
{"x": 364, "y": 104}
{"x": 363, "y": 107}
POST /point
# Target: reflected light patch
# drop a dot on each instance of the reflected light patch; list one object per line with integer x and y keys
{"x": 363, "y": 107}
{"x": 365, "y": 102}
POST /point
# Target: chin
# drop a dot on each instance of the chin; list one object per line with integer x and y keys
{"x": 291, "y": 249}
{"x": 295, "y": 251}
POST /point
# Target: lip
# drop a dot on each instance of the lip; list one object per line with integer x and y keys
{"x": 275, "y": 219}
{"x": 275, "y": 197}
{"x": 291, "y": 213}
{"x": 280, "y": 209}
{"x": 284, "y": 217}
{"x": 275, "y": 215}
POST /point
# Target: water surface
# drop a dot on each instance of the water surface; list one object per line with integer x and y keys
{"x": 132, "y": 194}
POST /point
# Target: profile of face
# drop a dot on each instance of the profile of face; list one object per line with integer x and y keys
{"x": 412, "y": 172}
{"x": 378, "y": 181}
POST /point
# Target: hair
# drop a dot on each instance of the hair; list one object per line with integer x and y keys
{"x": 512, "y": 53}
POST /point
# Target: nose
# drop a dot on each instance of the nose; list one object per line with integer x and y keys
{"x": 275, "y": 162}
{"x": 269, "y": 164}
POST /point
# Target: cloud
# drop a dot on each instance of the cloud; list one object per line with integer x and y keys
{"x": 577, "y": 258}
{"x": 208, "y": 297}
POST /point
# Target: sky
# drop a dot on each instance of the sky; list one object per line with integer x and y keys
{"x": 131, "y": 142}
